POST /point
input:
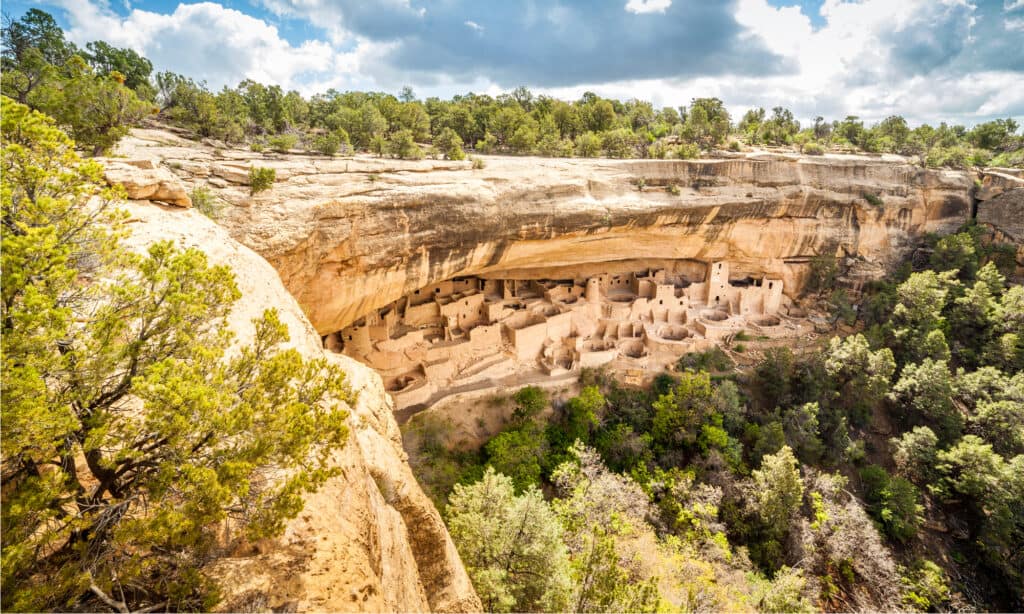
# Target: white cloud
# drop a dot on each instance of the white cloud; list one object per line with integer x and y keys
{"x": 223, "y": 46}
{"x": 648, "y": 6}
{"x": 474, "y": 26}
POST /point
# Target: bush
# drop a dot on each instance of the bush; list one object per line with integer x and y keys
{"x": 478, "y": 163}
{"x": 822, "y": 274}
{"x": 588, "y": 145}
{"x": 256, "y": 146}
{"x": 281, "y": 143}
{"x": 874, "y": 199}
{"x": 487, "y": 144}
{"x": 672, "y": 189}
{"x": 709, "y": 360}
{"x": 261, "y": 179}
{"x": 734, "y": 145}
{"x": 205, "y": 202}
{"x": 813, "y": 149}
{"x": 892, "y": 501}
{"x": 619, "y": 143}
{"x": 688, "y": 151}
{"x": 401, "y": 145}
{"x": 329, "y": 144}
{"x": 449, "y": 143}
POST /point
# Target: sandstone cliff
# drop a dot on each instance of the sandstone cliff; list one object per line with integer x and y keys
{"x": 369, "y": 540}
{"x": 350, "y": 235}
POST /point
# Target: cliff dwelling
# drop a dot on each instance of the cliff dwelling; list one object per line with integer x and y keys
{"x": 461, "y": 333}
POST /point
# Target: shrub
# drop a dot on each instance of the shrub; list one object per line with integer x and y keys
{"x": 487, "y": 144}
{"x": 688, "y": 151}
{"x": 281, "y": 143}
{"x": 261, "y": 179}
{"x": 822, "y": 274}
{"x": 734, "y": 145}
{"x": 256, "y": 146}
{"x": 892, "y": 501}
{"x": 874, "y": 199}
{"x": 401, "y": 145}
{"x": 813, "y": 149}
{"x": 588, "y": 145}
{"x": 619, "y": 143}
{"x": 478, "y": 163}
{"x": 672, "y": 189}
{"x": 709, "y": 360}
{"x": 449, "y": 143}
{"x": 329, "y": 144}
{"x": 205, "y": 202}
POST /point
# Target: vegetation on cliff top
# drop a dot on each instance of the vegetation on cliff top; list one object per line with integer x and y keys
{"x": 134, "y": 448}
{"x": 42, "y": 69}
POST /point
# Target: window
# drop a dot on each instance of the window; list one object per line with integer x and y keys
{"x": 769, "y": 285}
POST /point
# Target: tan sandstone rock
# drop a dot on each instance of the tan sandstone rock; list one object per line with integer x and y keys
{"x": 143, "y": 180}
{"x": 370, "y": 540}
{"x": 349, "y": 235}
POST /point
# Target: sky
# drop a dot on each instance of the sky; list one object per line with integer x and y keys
{"x": 929, "y": 60}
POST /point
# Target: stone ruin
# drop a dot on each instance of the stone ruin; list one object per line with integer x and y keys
{"x": 471, "y": 329}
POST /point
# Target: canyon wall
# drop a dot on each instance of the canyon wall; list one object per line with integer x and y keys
{"x": 351, "y": 235}
{"x": 369, "y": 540}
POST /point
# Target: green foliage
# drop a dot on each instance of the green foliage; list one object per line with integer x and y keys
{"x": 401, "y": 145}
{"x": 619, "y": 143}
{"x": 530, "y": 401}
{"x": 450, "y": 144}
{"x": 687, "y": 151}
{"x": 282, "y": 143}
{"x": 813, "y": 149}
{"x": 205, "y": 202}
{"x": 892, "y": 501}
{"x": 261, "y": 179}
{"x": 860, "y": 377}
{"x": 512, "y": 546}
{"x": 926, "y": 587}
{"x": 822, "y": 274}
{"x": 519, "y": 453}
{"x": 478, "y": 163}
{"x": 914, "y": 453}
{"x": 874, "y": 199}
{"x": 588, "y": 145}
{"x": 713, "y": 360}
{"x": 100, "y": 499}
{"x": 926, "y": 389}
{"x": 779, "y": 490}
{"x": 330, "y": 142}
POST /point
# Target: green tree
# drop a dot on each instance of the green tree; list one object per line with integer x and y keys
{"x": 106, "y": 58}
{"x": 778, "y": 489}
{"x": 449, "y": 143}
{"x": 129, "y": 434}
{"x": 96, "y": 110}
{"x": 679, "y": 413}
{"x": 530, "y": 401}
{"x": 588, "y": 145}
{"x": 927, "y": 390}
{"x": 861, "y": 378}
{"x": 401, "y": 145}
{"x": 518, "y": 453}
{"x": 914, "y": 453}
{"x": 512, "y": 546}
{"x": 892, "y": 501}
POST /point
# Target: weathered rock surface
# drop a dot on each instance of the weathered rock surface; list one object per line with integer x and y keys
{"x": 143, "y": 180}
{"x": 370, "y": 539}
{"x": 348, "y": 235}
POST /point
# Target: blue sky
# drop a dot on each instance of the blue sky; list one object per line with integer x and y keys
{"x": 928, "y": 60}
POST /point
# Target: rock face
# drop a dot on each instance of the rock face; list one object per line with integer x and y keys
{"x": 370, "y": 539}
{"x": 349, "y": 235}
{"x": 1001, "y": 209}
{"x": 143, "y": 180}
{"x": 349, "y": 242}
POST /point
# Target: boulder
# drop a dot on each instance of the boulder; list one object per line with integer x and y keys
{"x": 144, "y": 181}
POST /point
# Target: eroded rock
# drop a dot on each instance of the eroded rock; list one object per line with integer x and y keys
{"x": 143, "y": 180}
